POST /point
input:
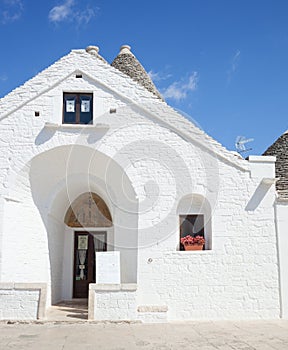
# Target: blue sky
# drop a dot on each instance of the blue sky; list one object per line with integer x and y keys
{"x": 222, "y": 62}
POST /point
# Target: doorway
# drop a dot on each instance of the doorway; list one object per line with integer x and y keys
{"x": 85, "y": 245}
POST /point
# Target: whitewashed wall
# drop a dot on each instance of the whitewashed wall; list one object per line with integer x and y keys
{"x": 143, "y": 168}
{"x": 112, "y": 302}
{"x": 22, "y": 301}
{"x": 281, "y": 208}
{"x": 18, "y": 304}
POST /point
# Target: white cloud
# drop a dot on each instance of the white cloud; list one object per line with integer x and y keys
{"x": 10, "y": 11}
{"x": 157, "y": 76}
{"x": 13, "y": 2}
{"x": 70, "y": 12}
{"x": 61, "y": 12}
{"x": 3, "y": 77}
{"x": 179, "y": 89}
{"x": 234, "y": 66}
{"x": 86, "y": 15}
{"x": 235, "y": 60}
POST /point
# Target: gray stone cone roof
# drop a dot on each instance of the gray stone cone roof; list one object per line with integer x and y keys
{"x": 280, "y": 149}
{"x": 128, "y": 64}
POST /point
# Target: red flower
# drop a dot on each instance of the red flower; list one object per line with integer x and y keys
{"x": 189, "y": 240}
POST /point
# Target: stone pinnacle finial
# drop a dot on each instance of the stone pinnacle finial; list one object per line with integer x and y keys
{"x": 125, "y": 49}
{"x": 93, "y": 50}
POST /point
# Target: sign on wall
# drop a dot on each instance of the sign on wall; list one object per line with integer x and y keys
{"x": 83, "y": 242}
{"x": 108, "y": 267}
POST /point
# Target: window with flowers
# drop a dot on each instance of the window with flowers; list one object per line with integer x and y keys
{"x": 191, "y": 230}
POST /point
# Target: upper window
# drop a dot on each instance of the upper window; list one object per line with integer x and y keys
{"x": 77, "y": 108}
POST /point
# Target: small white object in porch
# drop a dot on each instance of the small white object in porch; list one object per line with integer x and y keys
{"x": 108, "y": 267}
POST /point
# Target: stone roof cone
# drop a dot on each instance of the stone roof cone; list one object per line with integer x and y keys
{"x": 128, "y": 64}
{"x": 280, "y": 149}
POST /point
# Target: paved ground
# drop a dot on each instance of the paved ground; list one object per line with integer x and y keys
{"x": 68, "y": 311}
{"x": 262, "y": 335}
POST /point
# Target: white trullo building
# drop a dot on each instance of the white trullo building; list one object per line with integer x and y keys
{"x": 100, "y": 179}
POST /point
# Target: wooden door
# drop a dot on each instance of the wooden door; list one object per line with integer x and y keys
{"x": 85, "y": 245}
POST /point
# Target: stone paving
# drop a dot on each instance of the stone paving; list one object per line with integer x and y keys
{"x": 68, "y": 311}
{"x": 236, "y": 335}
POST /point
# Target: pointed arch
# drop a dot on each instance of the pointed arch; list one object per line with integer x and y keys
{"x": 88, "y": 210}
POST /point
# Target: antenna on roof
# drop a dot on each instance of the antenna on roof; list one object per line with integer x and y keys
{"x": 240, "y": 144}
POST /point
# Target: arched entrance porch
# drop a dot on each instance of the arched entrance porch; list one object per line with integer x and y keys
{"x": 58, "y": 178}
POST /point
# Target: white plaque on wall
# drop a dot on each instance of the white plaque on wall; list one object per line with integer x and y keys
{"x": 70, "y": 106}
{"x": 108, "y": 267}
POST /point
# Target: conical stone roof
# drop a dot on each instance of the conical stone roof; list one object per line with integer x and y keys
{"x": 280, "y": 149}
{"x": 128, "y": 64}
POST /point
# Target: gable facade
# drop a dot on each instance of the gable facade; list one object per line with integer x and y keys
{"x": 151, "y": 168}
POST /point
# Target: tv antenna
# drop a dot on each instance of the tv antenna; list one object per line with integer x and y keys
{"x": 240, "y": 144}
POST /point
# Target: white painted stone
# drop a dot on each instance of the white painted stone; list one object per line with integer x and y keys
{"x": 108, "y": 267}
{"x": 147, "y": 162}
{"x": 281, "y": 208}
{"x": 112, "y": 302}
{"x": 22, "y": 301}
{"x": 262, "y": 166}
{"x": 18, "y": 304}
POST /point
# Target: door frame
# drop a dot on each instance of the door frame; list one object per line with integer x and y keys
{"x": 91, "y": 232}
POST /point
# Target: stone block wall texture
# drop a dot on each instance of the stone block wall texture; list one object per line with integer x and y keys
{"x": 119, "y": 303}
{"x": 115, "y": 306}
{"x": 165, "y": 158}
{"x": 282, "y": 215}
{"x": 19, "y": 304}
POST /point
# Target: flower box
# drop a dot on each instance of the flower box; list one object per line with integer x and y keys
{"x": 193, "y": 243}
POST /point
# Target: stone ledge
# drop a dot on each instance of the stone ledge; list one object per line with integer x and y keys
{"x": 113, "y": 287}
{"x": 152, "y": 308}
{"x": 269, "y": 180}
{"x": 6, "y": 286}
{"x": 183, "y": 253}
{"x": 63, "y": 127}
{"x": 262, "y": 159}
{"x": 129, "y": 287}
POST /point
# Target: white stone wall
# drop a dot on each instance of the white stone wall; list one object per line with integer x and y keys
{"x": 18, "y": 304}
{"x": 112, "y": 302}
{"x": 142, "y": 160}
{"x": 281, "y": 209}
{"x": 117, "y": 302}
{"x": 238, "y": 277}
{"x": 22, "y": 301}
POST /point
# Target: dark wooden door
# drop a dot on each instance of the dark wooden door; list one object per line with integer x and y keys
{"x": 84, "y": 260}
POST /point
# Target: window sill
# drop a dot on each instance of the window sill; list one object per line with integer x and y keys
{"x": 183, "y": 252}
{"x": 193, "y": 251}
{"x": 76, "y": 126}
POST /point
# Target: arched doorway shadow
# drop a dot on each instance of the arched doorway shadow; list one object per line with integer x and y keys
{"x": 59, "y": 176}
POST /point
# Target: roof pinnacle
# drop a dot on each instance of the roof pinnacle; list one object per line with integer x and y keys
{"x": 125, "y": 49}
{"x": 93, "y": 50}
